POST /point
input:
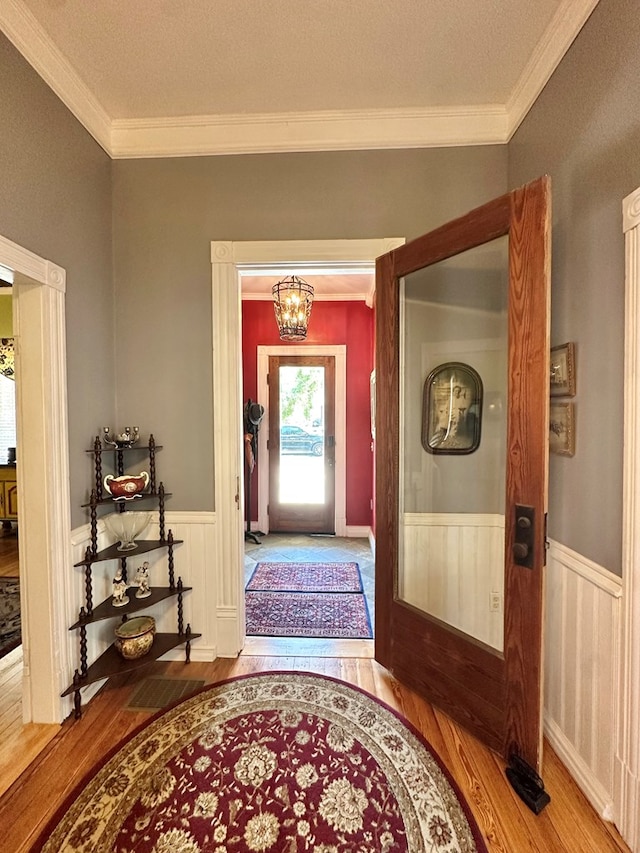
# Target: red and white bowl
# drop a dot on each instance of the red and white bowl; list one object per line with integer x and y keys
{"x": 127, "y": 487}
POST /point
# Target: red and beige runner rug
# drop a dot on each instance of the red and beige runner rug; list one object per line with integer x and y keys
{"x": 269, "y": 763}
{"x": 306, "y": 577}
{"x": 342, "y": 615}
{"x": 307, "y": 600}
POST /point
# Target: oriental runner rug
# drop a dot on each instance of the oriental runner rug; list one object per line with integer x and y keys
{"x": 269, "y": 763}
{"x": 10, "y": 620}
{"x": 341, "y": 615}
{"x": 306, "y": 577}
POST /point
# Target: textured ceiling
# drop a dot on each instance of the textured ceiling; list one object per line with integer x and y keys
{"x": 151, "y": 58}
{"x": 163, "y": 77}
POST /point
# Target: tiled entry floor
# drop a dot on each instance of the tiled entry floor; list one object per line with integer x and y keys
{"x": 283, "y": 547}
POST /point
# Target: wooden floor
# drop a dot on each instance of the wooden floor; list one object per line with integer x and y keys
{"x": 19, "y": 744}
{"x": 567, "y": 824}
{"x": 40, "y": 765}
{"x": 9, "y": 566}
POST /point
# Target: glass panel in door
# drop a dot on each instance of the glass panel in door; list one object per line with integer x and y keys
{"x": 454, "y": 334}
{"x": 301, "y": 444}
{"x": 301, "y": 403}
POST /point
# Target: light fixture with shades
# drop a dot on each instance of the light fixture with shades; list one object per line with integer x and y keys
{"x": 292, "y": 300}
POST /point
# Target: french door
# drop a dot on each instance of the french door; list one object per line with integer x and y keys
{"x": 462, "y": 375}
{"x": 301, "y": 444}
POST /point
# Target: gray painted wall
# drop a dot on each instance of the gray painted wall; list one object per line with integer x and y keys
{"x": 584, "y": 131}
{"x": 56, "y": 202}
{"x": 166, "y": 212}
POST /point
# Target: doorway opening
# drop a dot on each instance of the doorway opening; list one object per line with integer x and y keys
{"x": 10, "y": 624}
{"x": 301, "y": 480}
{"x": 42, "y": 475}
{"x": 231, "y": 263}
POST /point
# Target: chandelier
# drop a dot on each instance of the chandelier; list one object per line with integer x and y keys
{"x": 292, "y": 300}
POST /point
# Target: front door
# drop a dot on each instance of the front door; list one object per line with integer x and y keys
{"x": 301, "y": 444}
{"x": 462, "y": 376}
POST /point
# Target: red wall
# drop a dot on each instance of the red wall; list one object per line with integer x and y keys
{"x": 333, "y": 323}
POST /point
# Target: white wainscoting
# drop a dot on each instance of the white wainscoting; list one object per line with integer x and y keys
{"x": 582, "y": 648}
{"x": 195, "y": 561}
{"x": 582, "y": 631}
{"x": 451, "y": 590}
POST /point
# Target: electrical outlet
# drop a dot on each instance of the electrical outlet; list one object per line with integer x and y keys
{"x": 495, "y": 601}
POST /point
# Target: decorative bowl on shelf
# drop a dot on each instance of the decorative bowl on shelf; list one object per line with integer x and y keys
{"x": 125, "y": 439}
{"x": 134, "y": 637}
{"x": 125, "y": 526}
{"x": 127, "y": 486}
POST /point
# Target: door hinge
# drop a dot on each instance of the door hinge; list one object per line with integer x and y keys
{"x": 267, "y": 509}
{"x": 267, "y": 378}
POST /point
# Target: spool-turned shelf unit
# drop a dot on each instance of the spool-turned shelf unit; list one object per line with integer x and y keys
{"x": 111, "y": 662}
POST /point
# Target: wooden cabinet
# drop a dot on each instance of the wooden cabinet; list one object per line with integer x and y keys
{"x": 8, "y": 493}
{"x": 111, "y": 662}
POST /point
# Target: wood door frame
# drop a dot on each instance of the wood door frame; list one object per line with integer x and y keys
{"x": 627, "y": 724}
{"x": 228, "y": 260}
{"x": 45, "y": 521}
{"x": 339, "y": 352}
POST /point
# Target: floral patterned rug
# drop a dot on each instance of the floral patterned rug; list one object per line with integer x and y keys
{"x": 341, "y": 615}
{"x": 306, "y": 577}
{"x": 269, "y": 763}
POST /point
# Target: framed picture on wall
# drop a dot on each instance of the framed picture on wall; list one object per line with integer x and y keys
{"x": 562, "y": 428}
{"x": 452, "y": 409}
{"x": 563, "y": 370}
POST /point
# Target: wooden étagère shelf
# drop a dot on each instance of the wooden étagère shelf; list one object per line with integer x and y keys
{"x": 111, "y": 662}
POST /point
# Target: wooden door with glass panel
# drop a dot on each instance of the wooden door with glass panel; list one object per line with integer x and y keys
{"x": 462, "y": 377}
{"x": 302, "y": 444}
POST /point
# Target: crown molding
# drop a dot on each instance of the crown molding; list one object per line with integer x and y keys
{"x": 563, "y": 28}
{"x": 267, "y": 133}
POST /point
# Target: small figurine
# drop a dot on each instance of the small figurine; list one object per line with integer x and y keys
{"x": 142, "y": 580}
{"x": 120, "y": 597}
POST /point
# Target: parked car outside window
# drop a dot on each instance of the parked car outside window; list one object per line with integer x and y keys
{"x": 294, "y": 439}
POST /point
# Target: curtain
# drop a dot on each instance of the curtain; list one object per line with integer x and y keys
{"x": 6, "y": 358}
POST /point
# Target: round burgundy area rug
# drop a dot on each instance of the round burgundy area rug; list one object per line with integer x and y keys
{"x": 271, "y": 763}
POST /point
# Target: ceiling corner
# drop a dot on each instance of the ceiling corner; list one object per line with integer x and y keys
{"x": 27, "y": 36}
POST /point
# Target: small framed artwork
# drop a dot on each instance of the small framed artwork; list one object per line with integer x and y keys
{"x": 562, "y": 428}
{"x": 452, "y": 409}
{"x": 563, "y": 370}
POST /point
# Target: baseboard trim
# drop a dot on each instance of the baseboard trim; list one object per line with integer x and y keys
{"x": 354, "y": 531}
{"x": 199, "y": 654}
{"x": 599, "y": 798}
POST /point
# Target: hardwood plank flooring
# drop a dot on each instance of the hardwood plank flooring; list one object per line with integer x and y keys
{"x": 19, "y": 744}
{"x": 9, "y": 566}
{"x": 39, "y": 765}
{"x": 567, "y": 825}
